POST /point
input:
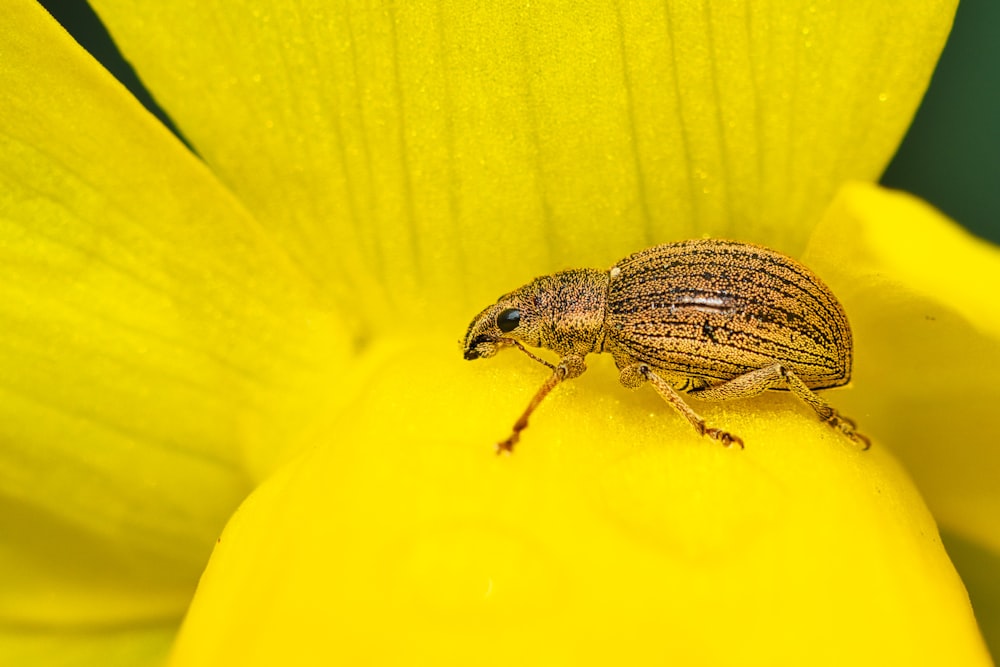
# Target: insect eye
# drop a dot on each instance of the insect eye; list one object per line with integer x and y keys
{"x": 508, "y": 319}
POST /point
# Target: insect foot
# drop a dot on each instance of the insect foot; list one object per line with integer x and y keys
{"x": 847, "y": 427}
{"x": 727, "y": 439}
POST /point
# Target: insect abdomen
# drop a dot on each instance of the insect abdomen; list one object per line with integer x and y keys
{"x": 717, "y": 309}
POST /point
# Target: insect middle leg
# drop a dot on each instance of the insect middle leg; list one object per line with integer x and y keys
{"x": 777, "y": 376}
{"x": 633, "y": 375}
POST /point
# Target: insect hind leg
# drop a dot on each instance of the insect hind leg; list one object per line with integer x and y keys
{"x": 777, "y": 376}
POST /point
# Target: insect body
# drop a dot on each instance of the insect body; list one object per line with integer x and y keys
{"x": 711, "y": 318}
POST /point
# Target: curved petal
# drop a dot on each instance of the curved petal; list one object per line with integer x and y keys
{"x": 922, "y": 297}
{"x": 614, "y": 535}
{"x": 88, "y": 647}
{"x": 396, "y": 147}
{"x": 144, "y": 320}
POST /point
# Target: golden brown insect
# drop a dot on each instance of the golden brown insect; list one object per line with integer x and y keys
{"x": 712, "y": 318}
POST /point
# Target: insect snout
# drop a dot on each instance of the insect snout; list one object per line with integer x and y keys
{"x": 482, "y": 346}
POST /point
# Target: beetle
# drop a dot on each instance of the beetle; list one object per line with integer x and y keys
{"x": 711, "y": 318}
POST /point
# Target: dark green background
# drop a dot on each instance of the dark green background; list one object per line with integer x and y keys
{"x": 950, "y": 157}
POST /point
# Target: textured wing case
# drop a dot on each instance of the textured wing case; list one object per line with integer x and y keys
{"x": 717, "y": 309}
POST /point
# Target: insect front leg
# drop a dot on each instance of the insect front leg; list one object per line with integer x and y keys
{"x": 569, "y": 367}
{"x": 777, "y": 376}
{"x": 633, "y": 375}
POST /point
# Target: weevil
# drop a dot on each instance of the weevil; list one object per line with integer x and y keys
{"x": 711, "y": 318}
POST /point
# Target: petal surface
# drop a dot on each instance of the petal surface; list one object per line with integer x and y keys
{"x": 921, "y": 294}
{"x": 147, "y": 326}
{"x": 136, "y": 647}
{"x": 394, "y": 148}
{"x": 615, "y": 534}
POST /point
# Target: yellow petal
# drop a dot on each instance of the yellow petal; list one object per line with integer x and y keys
{"x": 416, "y": 154}
{"x": 144, "y": 320}
{"x": 922, "y": 297}
{"x": 134, "y": 647}
{"x": 614, "y": 535}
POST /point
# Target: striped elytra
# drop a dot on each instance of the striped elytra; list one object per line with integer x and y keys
{"x": 712, "y": 318}
{"x": 715, "y": 310}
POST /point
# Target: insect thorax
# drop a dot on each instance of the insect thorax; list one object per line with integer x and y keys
{"x": 573, "y": 303}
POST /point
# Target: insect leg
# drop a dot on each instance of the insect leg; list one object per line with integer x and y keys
{"x": 777, "y": 376}
{"x": 634, "y": 375}
{"x": 569, "y": 367}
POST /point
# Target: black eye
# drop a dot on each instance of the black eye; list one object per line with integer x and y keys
{"x": 508, "y": 319}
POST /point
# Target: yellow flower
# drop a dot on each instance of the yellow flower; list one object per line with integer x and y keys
{"x": 273, "y": 323}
